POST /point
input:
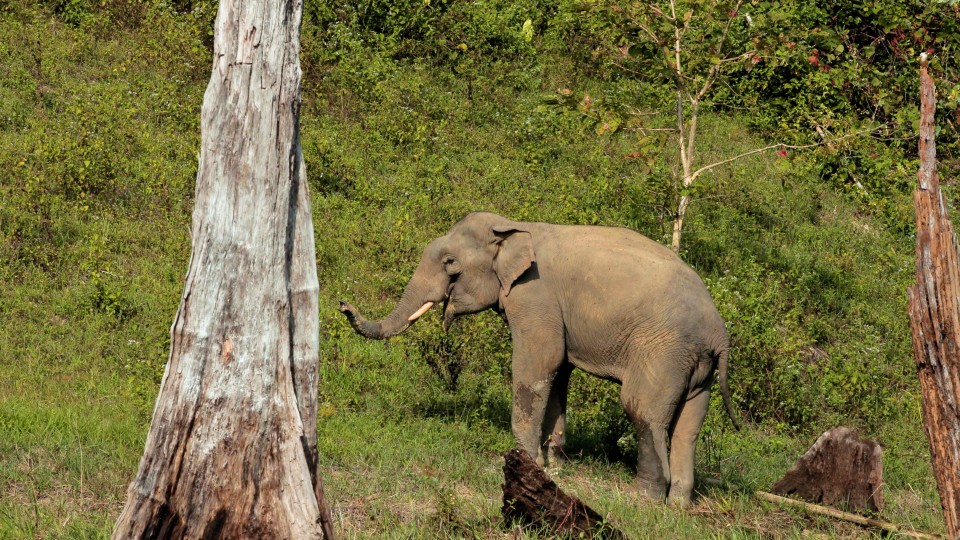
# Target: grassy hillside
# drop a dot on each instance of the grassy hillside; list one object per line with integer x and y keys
{"x": 402, "y": 135}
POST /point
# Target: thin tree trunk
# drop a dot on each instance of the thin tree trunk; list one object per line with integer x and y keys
{"x": 687, "y": 134}
{"x": 935, "y": 316}
{"x": 231, "y": 451}
{"x": 678, "y": 222}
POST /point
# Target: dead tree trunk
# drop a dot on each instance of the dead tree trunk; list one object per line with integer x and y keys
{"x": 530, "y": 497}
{"x": 935, "y": 316}
{"x": 231, "y": 451}
{"x": 840, "y": 469}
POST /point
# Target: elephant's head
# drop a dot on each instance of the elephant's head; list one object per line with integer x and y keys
{"x": 469, "y": 269}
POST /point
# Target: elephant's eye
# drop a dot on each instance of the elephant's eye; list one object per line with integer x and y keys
{"x": 451, "y": 265}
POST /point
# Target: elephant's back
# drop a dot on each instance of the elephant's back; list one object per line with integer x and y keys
{"x": 617, "y": 259}
{"x": 610, "y": 275}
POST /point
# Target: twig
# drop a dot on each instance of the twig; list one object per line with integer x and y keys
{"x": 846, "y": 516}
{"x": 706, "y": 168}
{"x": 650, "y": 33}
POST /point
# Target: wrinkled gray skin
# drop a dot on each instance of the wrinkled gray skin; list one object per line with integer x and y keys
{"x": 606, "y": 300}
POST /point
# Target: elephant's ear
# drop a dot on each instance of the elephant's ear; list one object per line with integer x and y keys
{"x": 514, "y": 255}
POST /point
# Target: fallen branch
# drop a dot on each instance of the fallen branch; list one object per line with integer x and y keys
{"x": 825, "y": 510}
{"x": 845, "y": 516}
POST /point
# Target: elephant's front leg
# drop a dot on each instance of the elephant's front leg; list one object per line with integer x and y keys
{"x": 555, "y": 420}
{"x": 529, "y": 407}
{"x": 536, "y": 360}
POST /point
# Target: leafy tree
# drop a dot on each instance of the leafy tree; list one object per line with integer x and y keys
{"x": 809, "y": 73}
{"x": 691, "y": 47}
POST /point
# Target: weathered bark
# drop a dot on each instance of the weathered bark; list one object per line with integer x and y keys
{"x": 840, "y": 469}
{"x": 935, "y": 316}
{"x": 530, "y": 497}
{"x": 231, "y": 451}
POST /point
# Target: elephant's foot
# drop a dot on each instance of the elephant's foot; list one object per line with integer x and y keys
{"x": 555, "y": 455}
{"x": 550, "y": 459}
{"x": 653, "y": 490}
{"x": 680, "y": 495}
{"x": 682, "y": 502}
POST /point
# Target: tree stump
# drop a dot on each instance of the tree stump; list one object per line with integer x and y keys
{"x": 839, "y": 469}
{"x": 531, "y": 497}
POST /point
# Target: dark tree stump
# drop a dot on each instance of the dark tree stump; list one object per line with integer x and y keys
{"x": 531, "y": 497}
{"x": 839, "y": 469}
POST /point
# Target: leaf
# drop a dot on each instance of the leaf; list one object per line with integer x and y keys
{"x": 527, "y": 30}
{"x": 609, "y": 125}
{"x": 687, "y": 16}
{"x": 614, "y": 123}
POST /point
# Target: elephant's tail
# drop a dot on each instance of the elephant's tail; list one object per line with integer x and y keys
{"x": 723, "y": 362}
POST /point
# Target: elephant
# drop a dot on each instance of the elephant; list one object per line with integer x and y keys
{"x": 607, "y": 300}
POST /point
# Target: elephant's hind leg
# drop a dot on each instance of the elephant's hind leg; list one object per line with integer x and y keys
{"x": 650, "y": 404}
{"x": 683, "y": 441}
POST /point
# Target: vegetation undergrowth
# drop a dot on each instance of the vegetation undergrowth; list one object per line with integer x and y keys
{"x": 416, "y": 113}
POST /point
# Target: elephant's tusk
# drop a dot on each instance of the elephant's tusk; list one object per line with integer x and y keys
{"x": 423, "y": 309}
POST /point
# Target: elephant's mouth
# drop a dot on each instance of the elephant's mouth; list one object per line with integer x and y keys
{"x": 449, "y": 312}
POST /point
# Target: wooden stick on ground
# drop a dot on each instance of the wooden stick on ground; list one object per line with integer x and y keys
{"x": 846, "y": 516}
{"x": 827, "y": 511}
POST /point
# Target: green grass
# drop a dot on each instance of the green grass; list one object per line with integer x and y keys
{"x": 98, "y": 142}
{"x": 63, "y": 464}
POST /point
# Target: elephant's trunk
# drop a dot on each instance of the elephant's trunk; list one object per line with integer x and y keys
{"x": 418, "y": 297}
{"x": 388, "y": 327}
{"x": 360, "y": 323}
